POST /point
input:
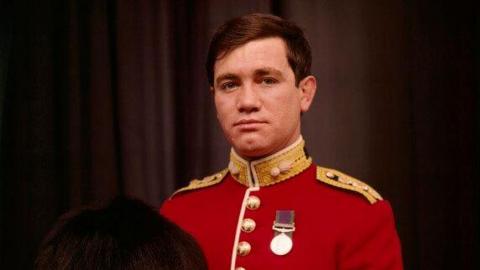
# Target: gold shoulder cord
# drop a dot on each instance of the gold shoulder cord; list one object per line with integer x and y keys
{"x": 204, "y": 182}
{"x": 341, "y": 180}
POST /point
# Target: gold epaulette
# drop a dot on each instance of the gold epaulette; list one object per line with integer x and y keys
{"x": 204, "y": 182}
{"x": 341, "y": 180}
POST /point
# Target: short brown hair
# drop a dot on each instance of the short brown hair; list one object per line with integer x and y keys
{"x": 241, "y": 30}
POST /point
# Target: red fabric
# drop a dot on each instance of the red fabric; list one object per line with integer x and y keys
{"x": 335, "y": 229}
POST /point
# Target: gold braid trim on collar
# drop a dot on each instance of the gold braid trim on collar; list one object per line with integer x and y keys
{"x": 270, "y": 170}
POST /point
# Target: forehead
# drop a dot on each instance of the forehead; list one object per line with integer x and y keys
{"x": 254, "y": 55}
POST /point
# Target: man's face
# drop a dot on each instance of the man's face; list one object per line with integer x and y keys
{"x": 257, "y": 102}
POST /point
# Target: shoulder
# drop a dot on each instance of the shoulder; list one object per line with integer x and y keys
{"x": 345, "y": 182}
{"x": 207, "y": 181}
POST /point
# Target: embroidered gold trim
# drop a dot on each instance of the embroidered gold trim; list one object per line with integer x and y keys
{"x": 204, "y": 182}
{"x": 262, "y": 169}
{"x": 341, "y": 180}
{"x": 242, "y": 167}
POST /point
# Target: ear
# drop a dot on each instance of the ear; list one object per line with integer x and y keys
{"x": 308, "y": 87}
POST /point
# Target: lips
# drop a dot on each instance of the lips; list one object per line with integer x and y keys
{"x": 249, "y": 124}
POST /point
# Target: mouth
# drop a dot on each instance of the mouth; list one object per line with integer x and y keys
{"x": 249, "y": 124}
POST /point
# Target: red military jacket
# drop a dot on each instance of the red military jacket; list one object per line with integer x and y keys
{"x": 339, "y": 223}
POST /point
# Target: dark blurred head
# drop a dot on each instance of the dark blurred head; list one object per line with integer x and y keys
{"x": 241, "y": 30}
{"x": 124, "y": 235}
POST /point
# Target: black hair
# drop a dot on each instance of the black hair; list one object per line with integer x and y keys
{"x": 125, "y": 235}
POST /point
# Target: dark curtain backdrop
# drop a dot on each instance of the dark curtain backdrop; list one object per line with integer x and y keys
{"x": 99, "y": 98}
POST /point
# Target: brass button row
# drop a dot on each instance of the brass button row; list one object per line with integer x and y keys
{"x": 248, "y": 226}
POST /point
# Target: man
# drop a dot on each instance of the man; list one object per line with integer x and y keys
{"x": 272, "y": 208}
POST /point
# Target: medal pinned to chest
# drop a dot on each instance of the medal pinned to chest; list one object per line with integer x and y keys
{"x": 283, "y": 228}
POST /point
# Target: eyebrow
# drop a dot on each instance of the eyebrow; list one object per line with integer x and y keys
{"x": 268, "y": 71}
{"x": 258, "y": 72}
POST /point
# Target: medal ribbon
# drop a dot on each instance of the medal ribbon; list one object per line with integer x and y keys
{"x": 284, "y": 222}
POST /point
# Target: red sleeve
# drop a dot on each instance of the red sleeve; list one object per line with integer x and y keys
{"x": 371, "y": 241}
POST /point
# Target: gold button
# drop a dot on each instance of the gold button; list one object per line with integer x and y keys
{"x": 248, "y": 225}
{"x": 330, "y": 175}
{"x": 243, "y": 248}
{"x": 275, "y": 171}
{"x": 240, "y": 268}
{"x": 253, "y": 202}
{"x": 285, "y": 165}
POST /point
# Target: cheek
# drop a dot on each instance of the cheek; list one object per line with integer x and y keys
{"x": 288, "y": 107}
{"x": 223, "y": 111}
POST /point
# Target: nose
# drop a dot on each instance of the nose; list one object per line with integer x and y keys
{"x": 248, "y": 100}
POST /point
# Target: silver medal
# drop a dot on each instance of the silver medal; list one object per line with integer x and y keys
{"x": 281, "y": 244}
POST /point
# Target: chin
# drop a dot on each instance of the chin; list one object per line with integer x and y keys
{"x": 251, "y": 150}
{"x": 251, "y": 145}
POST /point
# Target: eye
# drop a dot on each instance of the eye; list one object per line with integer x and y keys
{"x": 269, "y": 81}
{"x": 229, "y": 86}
